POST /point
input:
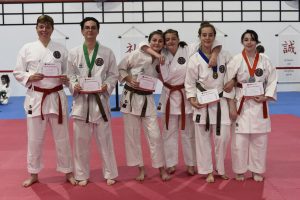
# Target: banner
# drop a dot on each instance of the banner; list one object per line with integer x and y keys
{"x": 289, "y": 58}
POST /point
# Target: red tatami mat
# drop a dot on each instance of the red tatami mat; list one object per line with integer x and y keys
{"x": 282, "y": 178}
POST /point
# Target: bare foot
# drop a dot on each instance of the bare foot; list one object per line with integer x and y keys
{"x": 31, "y": 180}
{"x": 83, "y": 183}
{"x": 163, "y": 174}
{"x": 257, "y": 177}
{"x": 110, "y": 181}
{"x": 210, "y": 178}
{"x": 171, "y": 170}
{"x": 70, "y": 178}
{"x": 224, "y": 177}
{"x": 190, "y": 170}
{"x": 240, "y": 177}
{"x": 141, "y": 176}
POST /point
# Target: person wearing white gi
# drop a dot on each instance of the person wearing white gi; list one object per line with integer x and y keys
{"x": 40, "y": 67}
{"x": 177, "y": 111}
{"x": 138, "y": 107}
{"x": 211, "y": 118}
{"x": 4, "y": 89}
{"x": 92, "y": 64}
{"x": 249, "y": 142}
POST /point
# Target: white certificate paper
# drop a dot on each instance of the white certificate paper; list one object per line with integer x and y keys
{"x": 90, "y": 84}
{"x": 147, "y": 82}
{"x": 253, "y": 89}
{"x": 51, "y": 70}
{"x": 208, "y": 96}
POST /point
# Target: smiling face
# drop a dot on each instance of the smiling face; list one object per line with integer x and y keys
{"x": 44, "y": 31}
{"x": 90, "y": 30}
{"x": 207, "y": 37}
{"x": 157, "y": 42}
{"x": 249, "y": 43}
{"x": 171, "y": 42}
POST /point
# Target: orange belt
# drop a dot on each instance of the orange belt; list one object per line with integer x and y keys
{"x": 173, "y": 88}
{"x": 265, "y": 110}
{"x": 46, "y": 92}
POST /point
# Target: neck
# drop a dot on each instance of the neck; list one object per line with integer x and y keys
{"x": 251, "y": 54}
{"x": 45, "y": 42}
{"x": 90, "y": 44}
{"x": 205, "y": 50}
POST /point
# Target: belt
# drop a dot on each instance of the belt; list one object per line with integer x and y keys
{"x": 173, "y": 88}
{"x": 139, "y": 92}
{"x": 100, "y": 105}
{"x": 265, "y": 110}
{"x": 207, "y": 124}
{"x": 46, "y": 92}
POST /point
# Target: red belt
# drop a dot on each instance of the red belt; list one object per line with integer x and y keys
{"x": 265, "y": 110}
{"x": 46, "y": 92}
{"x": 173, "y": 88}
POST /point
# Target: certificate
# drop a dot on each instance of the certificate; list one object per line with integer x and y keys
{"x": 147, "y": 82}
{"x": 208, "y": 96}
{"x": 90, "y": 84}
{"x": 253, "y": 89}
{"x": 51, "y": 70}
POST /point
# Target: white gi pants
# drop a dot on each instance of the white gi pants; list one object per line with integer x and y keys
{"x": 132, "y": 130}
{"x": 170, "y": 140}
{"x": 36, "y": 128}
{"x": 82, "y": 139}
{"x": 204, "y": 148}
{"x": 249, "y": 152}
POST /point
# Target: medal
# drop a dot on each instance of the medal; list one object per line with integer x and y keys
{"x": 215, "y": 75}
{"x": 251, "y": 79}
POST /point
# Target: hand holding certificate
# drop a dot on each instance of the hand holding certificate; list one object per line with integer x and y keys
{"x": 147, "y": 82}
{"x": 253, "y": 89}
{"x": 208, "y": 96}
{"x": 51, "y": 70}
{"x": 90, "y": 85}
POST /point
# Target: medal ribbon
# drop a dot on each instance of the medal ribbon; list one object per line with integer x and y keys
{"x": 215, "y": 68}
{"x": 89, "y": 63}
{"x": 253, "y": 68}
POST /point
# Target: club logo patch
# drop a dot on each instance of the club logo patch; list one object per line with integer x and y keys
{"x": 259, "y": 72}
{"x": 181, "y": 60}
{"x": 222, "y": 69}
{"x": 56, "y": 54}
{"x": 99, "y": 61}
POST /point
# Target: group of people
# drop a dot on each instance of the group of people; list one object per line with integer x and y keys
{"x": 4, "y": 89}
{"x": 186, "y": 71}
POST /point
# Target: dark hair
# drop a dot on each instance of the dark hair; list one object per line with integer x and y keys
{"x": 206, "y": 24}
{"x": 45, "y": 19}
{"x": 6, "y": 78}
{"x": 157, "y": 32}
{"x": 253, "y": 35}
{"x": 171, "y": 31}
{"x": 260, "y": 49}
{"x": 89, "y": 19}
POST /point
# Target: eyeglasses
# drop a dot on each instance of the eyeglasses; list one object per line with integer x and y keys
{"x": 92, "y": 28}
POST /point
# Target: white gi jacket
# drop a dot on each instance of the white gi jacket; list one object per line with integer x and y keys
{"x": 251, "y": 118}
{"x": 198, "y": 71}
{"x": 30, "y": 59}
{"x": 104, "y": 67}
{"x": 137, "y": 62}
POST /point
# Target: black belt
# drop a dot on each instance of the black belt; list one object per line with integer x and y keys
{"x": 139, "y": 92}
{"x": 207, "y": 124}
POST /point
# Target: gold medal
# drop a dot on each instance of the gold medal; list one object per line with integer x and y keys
{"x": 215, "y": 75}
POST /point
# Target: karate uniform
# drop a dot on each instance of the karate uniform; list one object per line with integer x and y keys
{"x": 104, "y": 68}
{"x": 249, "y": 142}
{"x": 30, "y": 60}
{"x": 4, "y": 94}
{"x": 138, "y": 62}
{"x": 198, "y": 71}
{"x": 176, "y": 68}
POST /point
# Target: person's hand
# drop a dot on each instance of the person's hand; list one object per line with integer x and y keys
{"x": 77, "y": 88}
{"x": 133, "y": 83}
{"x": 64, "y": 79}
{"x": 195, "y": 103}
{"x": 36, "y": 77}
{"x": 233, "y": 113}
{"x": 161, "y": 59}
{"x": 103, "y": 88}
{"x": 260, "y": 98}
{"x": 229, "y": 85}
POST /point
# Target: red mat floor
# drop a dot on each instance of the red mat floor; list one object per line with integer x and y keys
{"x": 282, "y": 178}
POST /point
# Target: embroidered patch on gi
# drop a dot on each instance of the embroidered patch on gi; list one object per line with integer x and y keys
{"x": 99, "y": 61}
{"x": 181, "y": 60}
{"x": 222, "y": 69}
{"x": 80, "y": 66}
{"x": 236, "y": 124}
{"x": 159, "y": 106}
{"x": 259, "y": 72}
{"x": 56, "y": 54}
{"x": 198, "y": 118}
